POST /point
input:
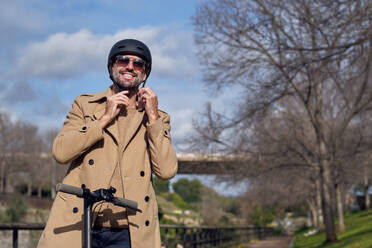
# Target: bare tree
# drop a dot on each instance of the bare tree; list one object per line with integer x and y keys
{"x": 49, "y": 138}
{"x": 210, "y": 209}
{"x": 31, "y": 153}
{"x": 25, "y": 157}
{"x": 316, "y": 53}
{"x": 8, "y": 147}
{"x": 284, "y": 143}
{"x": 366, "y": 183}
{"x": 4, "y": 137}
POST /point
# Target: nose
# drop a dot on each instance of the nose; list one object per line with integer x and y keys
{"x": 130, "y": 65}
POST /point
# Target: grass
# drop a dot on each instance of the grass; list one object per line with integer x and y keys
{"x": 358, "y": 234}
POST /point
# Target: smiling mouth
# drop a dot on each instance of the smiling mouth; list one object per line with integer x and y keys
{"x": 127, "y": 74}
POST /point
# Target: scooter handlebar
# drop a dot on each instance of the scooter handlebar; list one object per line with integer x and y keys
{"x": 126, "y": 203}
{"x": 69, "y": 189}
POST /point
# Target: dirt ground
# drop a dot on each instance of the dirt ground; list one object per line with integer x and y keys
{"x": 273, "y": 242}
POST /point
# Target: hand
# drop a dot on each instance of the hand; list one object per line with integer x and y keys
{"x": 113, "y": 106}
{"x": 148, "y": 98}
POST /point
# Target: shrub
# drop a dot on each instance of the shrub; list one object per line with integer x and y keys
{"x": 16, "y": 209}
{"x": 178, "y": 201}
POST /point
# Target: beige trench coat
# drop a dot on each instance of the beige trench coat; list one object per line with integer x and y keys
{"x": 93, "y": 154}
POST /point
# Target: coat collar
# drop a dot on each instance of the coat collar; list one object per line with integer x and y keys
{"x": 101, "y": 96}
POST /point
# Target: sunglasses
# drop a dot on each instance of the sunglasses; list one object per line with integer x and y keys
{"x": 138, "y": 64}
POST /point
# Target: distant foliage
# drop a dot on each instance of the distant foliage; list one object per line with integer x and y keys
{"x": 224, "y": 220}
{"x": 177, "y": 200}
{"x": 190, "y": 191}
{"x": 230, "y": 205}
{"x": 15, "y": 210}
{"x": 262, "y": 216}
{"x": 161, "y": 186}
{"x": 2, "y": 216}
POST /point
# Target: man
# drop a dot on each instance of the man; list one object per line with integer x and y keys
{"x": 114, "y": 138}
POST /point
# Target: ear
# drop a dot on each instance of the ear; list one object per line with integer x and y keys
{"x": 144, "y": 77}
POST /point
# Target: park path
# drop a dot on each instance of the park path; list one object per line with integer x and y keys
{"x": 273, "y": 242}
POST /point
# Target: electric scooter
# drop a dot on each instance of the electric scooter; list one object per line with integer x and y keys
{"x": 91, "y": 197}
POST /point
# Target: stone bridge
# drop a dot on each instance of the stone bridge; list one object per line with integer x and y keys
{"x": 208, "y": 164}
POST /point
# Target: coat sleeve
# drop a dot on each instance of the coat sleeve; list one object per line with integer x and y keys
{"x": 163, "y": 156}
{"x": 76, "y": 136}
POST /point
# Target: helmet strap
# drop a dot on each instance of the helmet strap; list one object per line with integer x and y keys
{"x": 143, "y": 83}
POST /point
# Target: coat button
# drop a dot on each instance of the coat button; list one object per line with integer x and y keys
{"x": 142, "y": 173}
{"x": 147, "y": 198}
{"x": 147, "y": 223}
{"x": 91, "y": 161}
{"x": 75, "y": 210}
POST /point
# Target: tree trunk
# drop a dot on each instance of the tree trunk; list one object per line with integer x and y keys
{"x": 54, "y": 180}
{"x": 320, "y": 222}
{"x": 340, "y": 210}
{"x": 314, "y": 212}
{"x": 326, "y": 183}
{"x": 2, "y": 176}
{"x": 39, "y": 191}
{"x": 349, "y": 201}
{"x": 366, "y": 186}
{"x": 29, "y": 189}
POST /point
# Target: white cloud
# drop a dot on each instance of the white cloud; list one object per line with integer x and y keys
{"x": 10, "y": 113}
{"x": 16, "y": 20}
{"x": 64, "y": 56}
{"x": 182, "y": 123}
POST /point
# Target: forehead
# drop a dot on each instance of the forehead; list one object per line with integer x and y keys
{"x": 130, "y": 56}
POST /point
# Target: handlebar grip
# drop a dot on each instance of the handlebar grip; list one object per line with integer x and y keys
{"x": 69, "y": 189}
{"x": 126, "y": 203}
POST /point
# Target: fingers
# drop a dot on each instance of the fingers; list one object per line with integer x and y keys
{"x": 150, "y": 100}
{"x": 144, "y": 90}
{"x": 124, "y": 92}
{"x": 119, "y": 99}
{"x": 147, "y": 93}
{"x": 114, "y": 104}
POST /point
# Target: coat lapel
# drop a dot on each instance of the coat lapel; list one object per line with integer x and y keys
{"x": 111, "y": 127}
{"x": 134, "y": 125}
{"x": 100, "y": 111}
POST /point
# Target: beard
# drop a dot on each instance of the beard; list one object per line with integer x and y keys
{"x": 124, "y": 84}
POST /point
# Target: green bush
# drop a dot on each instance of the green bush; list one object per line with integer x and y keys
{"x": 262, "y": 216}
{"x": 224, "y": 220}
{"x": 190, "y": 191}
{"x": 2, "y": 216}
{"x": 16, "y": 209}
{"x": 178, "y": 201}
{"x": 161, "y": 186}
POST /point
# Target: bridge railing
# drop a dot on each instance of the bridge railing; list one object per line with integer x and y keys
{"x": 176, "y": 236}
{"x": 194, "y": 237}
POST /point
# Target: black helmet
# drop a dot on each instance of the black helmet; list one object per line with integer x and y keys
{"x": 133, "y": 47}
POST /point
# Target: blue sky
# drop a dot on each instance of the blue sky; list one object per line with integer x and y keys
{"x": 53, "y": 51}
